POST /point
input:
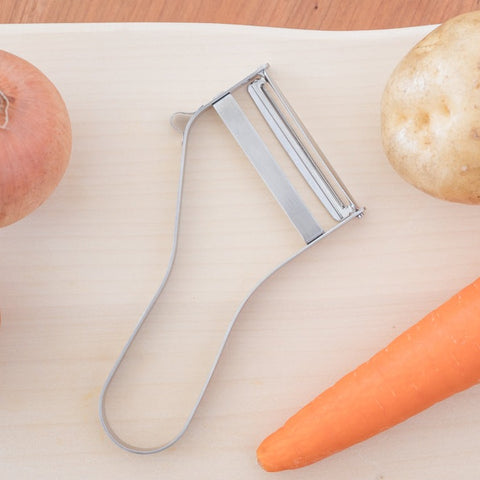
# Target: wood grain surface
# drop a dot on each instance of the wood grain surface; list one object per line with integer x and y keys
{"x": 77, "y": 274}
{"x": 306, "y": 14}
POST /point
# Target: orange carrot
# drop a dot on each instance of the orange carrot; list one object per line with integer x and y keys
{"x": 432, "y": 360}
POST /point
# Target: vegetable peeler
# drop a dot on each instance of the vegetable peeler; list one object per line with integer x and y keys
{"x": 303, "y": 189}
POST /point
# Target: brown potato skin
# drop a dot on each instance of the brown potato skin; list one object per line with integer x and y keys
{"x": 430, "y": 112}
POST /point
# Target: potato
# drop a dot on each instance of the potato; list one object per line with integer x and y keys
{"x": 430, "y": 112}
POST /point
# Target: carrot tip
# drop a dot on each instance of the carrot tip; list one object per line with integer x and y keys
{"x": 395, "y": 384}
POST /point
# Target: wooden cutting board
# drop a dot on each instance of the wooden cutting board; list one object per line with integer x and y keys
{"x": 76, "y": 274}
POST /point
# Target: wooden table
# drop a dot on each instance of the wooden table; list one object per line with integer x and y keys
{"x": 306, "y": 14}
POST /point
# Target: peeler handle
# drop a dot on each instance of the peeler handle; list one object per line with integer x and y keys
{"x": 155, "y": 387}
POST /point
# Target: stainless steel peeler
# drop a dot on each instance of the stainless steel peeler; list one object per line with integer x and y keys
{"x": 304, "y": 159}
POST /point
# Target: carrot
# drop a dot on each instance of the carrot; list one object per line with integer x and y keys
{"x": 432, "y": 360}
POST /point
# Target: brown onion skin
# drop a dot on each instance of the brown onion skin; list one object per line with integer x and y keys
{"x": 35, "y": 144}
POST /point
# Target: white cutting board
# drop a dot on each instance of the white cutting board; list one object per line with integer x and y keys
{"x": 77, "y": 273}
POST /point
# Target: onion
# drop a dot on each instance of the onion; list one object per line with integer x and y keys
{"x": 35, "y": 138}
